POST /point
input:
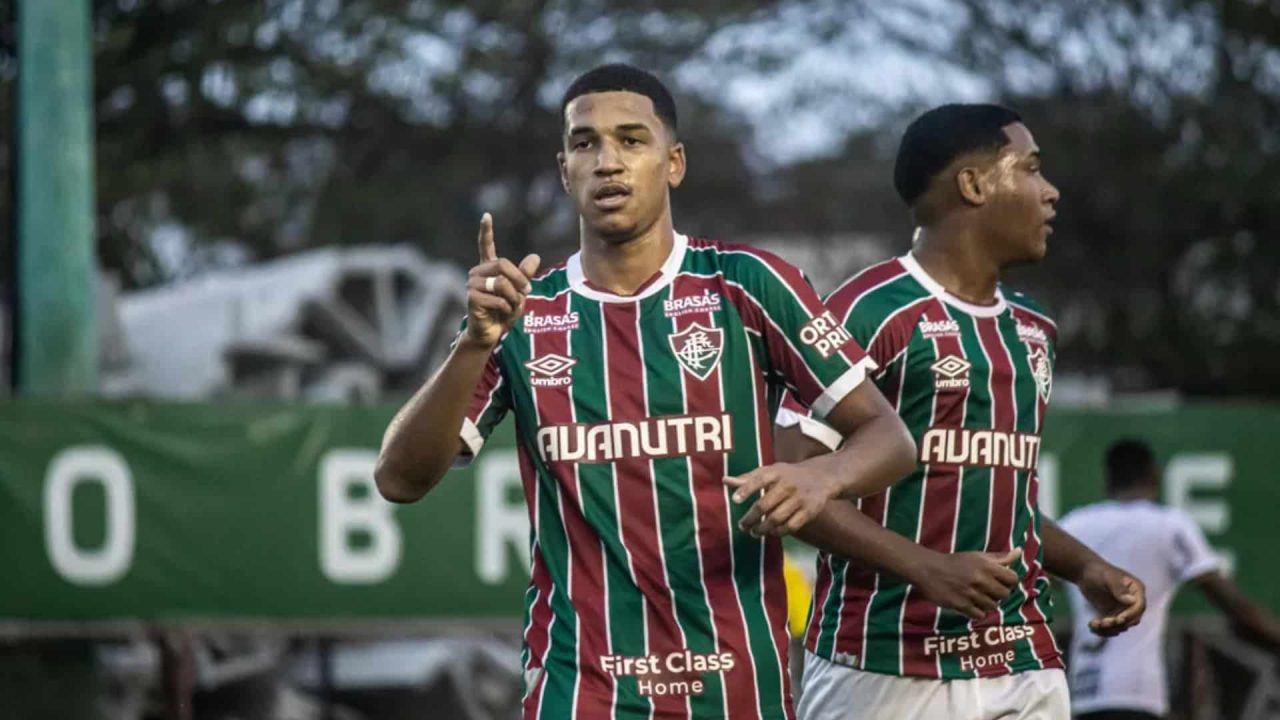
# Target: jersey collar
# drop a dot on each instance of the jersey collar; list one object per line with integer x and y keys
{"x": 933, "y": 286}
{"x": 578, "y": 281}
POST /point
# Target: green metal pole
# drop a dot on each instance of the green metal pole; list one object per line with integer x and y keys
{"x": 56, "y": 343}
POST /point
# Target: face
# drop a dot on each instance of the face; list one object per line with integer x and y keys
{"x": 619, "y": 161}
{"x": 1022, "y": 202}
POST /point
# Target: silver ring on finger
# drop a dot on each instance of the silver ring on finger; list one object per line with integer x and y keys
{"x": 489, "y": 282}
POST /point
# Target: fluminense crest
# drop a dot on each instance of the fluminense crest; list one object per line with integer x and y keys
{"x": 698, "y": 349}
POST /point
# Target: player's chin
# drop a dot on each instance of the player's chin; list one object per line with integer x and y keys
{"x": 613, "y": 226}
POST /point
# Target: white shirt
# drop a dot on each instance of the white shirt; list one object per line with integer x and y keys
{"x": 1164, "y": 548}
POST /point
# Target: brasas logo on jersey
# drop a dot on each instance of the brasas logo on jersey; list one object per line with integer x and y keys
{"x": 706, "y": 302}
{"x": 698, "y": 349}
{"x": 950, "y": 372}
{"x": 824, "y": 334}
{"x": 551, "y": 370}
{"x": 655, "y": 437}
{"x": 939, "y": 328}
{"x": 1042, "y": 371}
{"x": 535, "y": 323}
{"x": 1032, "y": 334}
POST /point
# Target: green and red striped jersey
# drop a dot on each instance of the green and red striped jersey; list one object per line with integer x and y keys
{"x": 972, "y": 384}
{"x": 645, "y": 598}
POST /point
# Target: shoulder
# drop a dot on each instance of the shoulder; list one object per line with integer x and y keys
{"x": 1073, "y": 519}
{"x": 878, "y": 292}
{"x": 1082, "y": 518}
{"x": 550, "y": 282}
{"x": 1027, "y": 309}
{"x": 1178, "y": 520}
{"x": 742, "y": 263}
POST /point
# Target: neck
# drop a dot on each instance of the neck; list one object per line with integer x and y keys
{"x": 623, "y": 266}
{"x": 953, "y": 254}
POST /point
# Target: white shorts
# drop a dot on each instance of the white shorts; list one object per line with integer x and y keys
{"x": 836, "y": 692}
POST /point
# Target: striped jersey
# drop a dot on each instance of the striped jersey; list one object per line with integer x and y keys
{"x": 645, "y": 600}
{"x": 972, "y": 384}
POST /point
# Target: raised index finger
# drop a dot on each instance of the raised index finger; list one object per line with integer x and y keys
{"x": 485, "y": 239}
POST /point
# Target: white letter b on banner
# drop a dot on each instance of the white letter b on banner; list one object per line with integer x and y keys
{"x": 342, "y": 515}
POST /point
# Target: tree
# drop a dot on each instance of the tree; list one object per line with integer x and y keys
{"x": 264, "y": 128}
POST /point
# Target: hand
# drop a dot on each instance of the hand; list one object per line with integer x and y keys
{"x": 972, "y": 583}
{"x": 1119, "y": 598}
{"x": 496, "y": 290}
{"x": 792, "y": 496}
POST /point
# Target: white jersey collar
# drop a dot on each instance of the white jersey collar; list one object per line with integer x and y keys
{"x": 578, "y": 281}
{"x": 933, "y": 286}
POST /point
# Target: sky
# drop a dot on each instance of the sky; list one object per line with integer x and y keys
{"x": 840, "y": 86}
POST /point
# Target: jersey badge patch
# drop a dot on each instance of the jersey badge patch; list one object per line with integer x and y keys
{"x": 698, "y": 349}
{"x": 1042, "y": 371}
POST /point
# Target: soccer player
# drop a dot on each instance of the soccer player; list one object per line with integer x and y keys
{"x": 644, "y": 374}
{"x": 969, "y": 368}
{"x": 1123, "y": 678}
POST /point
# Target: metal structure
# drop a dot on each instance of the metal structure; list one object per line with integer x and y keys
{"x": 344, "y": 325}
{"x": 55, "y": 340}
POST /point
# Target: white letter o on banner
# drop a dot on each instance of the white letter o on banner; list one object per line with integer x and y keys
{"x": 68, "y": 469}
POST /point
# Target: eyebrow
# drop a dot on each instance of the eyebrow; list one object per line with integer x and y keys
{"x": 627, "y": 127}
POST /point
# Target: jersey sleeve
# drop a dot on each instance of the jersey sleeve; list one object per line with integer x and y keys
{"x": 490, "y": 401}
{"x": 870, "y": 326}
{"x": 883, "y": 327}
{"x": 1192, "y": 555}
{"x": 808, "y": 350}
{"x": 791, "y": 413}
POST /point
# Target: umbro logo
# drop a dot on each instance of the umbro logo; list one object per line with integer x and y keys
{"x": 950, "y": 372}
{"x": 551, "y": 370}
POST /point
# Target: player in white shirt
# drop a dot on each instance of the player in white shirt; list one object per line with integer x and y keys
{"x": 1123, "y": 678}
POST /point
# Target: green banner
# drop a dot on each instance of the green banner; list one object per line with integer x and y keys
{"x": 228, "y": 511}
{"x": 172, "y": 511}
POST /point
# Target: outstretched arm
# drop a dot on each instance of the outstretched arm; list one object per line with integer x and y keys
{"x": 1247, "y": 617}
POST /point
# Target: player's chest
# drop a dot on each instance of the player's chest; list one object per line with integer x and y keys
{"x": 989, "y": 368}
{"x": 664, "y": 355}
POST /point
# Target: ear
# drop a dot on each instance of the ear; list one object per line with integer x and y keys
{"x": 675, "y": 165}
{"x": 971, "y": 183}
{"x": 564, "y": 171}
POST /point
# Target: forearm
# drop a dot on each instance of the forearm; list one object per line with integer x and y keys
{"x": 875, "y": 455}
{"x": 423, "y": 438}
{"x": 1257, "y": 625}
{"x": 1247, "y": 617}
{"x": 1064, "y": 555}
{"x": 841, "y": 528}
